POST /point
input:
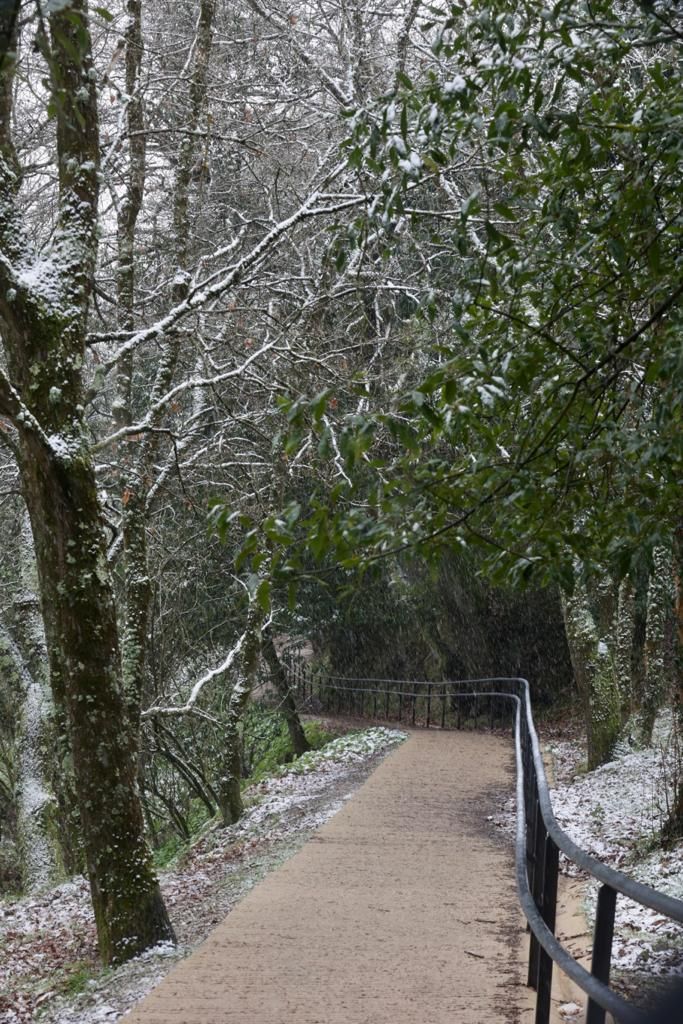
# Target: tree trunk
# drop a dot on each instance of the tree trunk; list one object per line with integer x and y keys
{"x": 660, "y": 603}
{"x": 84, "y": 659}
{"x": 29, "y": 630}
{"x": 137, "y": 466}
{"x": 639, "y": 636}
{"x": 624, "y": 637}
{"x": 44, "y": 317}
{"x": 594, "y": 672}
{"x": 287, "y": 703}
{"x": 229, "y": 790}
{"x": 42, "y": 865}
{"x": 138, "y": 589}
{"x": 673, "y": 829}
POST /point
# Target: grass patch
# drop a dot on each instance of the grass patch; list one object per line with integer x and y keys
{"x": 77, "y": 977}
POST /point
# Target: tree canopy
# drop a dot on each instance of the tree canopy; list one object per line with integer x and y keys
{"x": 538, "y": 159}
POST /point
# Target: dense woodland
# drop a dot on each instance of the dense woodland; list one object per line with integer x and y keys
{"x": 353, "y": 325}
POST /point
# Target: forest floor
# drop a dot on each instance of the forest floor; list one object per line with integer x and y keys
{"x": 616, "y": 813}
{"x": 48, "y": 963}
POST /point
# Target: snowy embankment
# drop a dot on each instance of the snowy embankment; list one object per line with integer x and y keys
{"x": 48, "y": 961}
{"x": 616, "y": 813}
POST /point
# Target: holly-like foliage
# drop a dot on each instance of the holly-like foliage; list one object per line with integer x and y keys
{"x": 541, "y": 158}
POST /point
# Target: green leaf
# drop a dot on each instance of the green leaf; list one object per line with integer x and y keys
{"x": 263, "y": 593}
{"x": 496, "y": 236}
{"x": 405, "y": 81}
{"x": 505, "y": 211}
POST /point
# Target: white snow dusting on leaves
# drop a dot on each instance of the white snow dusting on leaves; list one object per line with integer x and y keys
{"x": 456, "y": 85}
{"x": 44, "y": 940}
{"x": 353, "y": 748}
{"x": 35, "y": 934}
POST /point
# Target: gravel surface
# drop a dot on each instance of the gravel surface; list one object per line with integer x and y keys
{"x": 400, "y": 910}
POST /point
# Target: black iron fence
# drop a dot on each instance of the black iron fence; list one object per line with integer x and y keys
{"x": 539, "y": 839}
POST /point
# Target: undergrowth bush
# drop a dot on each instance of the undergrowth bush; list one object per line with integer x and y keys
{"x": 280, "y": 750}
{"x": 266, "y": 748}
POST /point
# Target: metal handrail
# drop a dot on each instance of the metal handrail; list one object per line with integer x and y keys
{"x": 538, "y": 839}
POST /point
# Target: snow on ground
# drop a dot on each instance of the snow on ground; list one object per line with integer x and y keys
{"x": 616, "y": 813}
{"x": 49, "y": 970}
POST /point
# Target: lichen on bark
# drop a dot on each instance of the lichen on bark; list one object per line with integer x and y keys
{"x": 658, "y": 676}
{"x": 589, "y": 623}
{"x": 38, "y": 832}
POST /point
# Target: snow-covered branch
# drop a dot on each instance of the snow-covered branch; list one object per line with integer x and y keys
{"x": 304, "y": 56}
{"x": 187, "y": 385}
{"x": 200, "y": 294}
{"x": 189, "y": 706}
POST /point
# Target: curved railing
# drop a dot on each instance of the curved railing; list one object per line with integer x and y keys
{"x": 539, "y": 838}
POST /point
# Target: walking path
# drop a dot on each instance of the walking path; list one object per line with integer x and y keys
{"x": 400, "y": 910}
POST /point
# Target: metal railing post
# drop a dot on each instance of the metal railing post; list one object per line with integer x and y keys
{"x": 535, "y": 848}
{"x": 602, "y": 947}
{"x": 551, "y": 860}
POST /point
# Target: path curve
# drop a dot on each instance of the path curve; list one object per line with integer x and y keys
{"x": 400, "y": 910}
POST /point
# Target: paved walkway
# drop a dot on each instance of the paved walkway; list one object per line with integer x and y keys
{"x": 400, "y": 910}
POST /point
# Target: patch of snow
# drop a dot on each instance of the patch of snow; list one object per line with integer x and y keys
{"x": 41, "y": 278}
{"x": 456, "y": 85}
{"x": 616, "y": 813}
{"x": 412, "y": 164}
